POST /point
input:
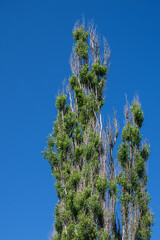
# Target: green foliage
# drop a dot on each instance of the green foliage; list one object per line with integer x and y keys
{"x": 70, "y": 233}
{"x": 58, "y": 222}
{"x": 102, "y": 184}
{"x": 125, "y": 199}
{"x": 83, "y": 74}
{"x": 139, "y": 165}
{"x": 77, "y": 151}
{"x": 73, "y": 180}
{"x": 94, "y": 204}
{"x": 131, "y": 134}
{"x": 60, "y": 102}
{"x": 133, "y": 179}
{"x": 79, "y": 154}
{"x": 59, "y": 189}
{"x": 80, "y": 96}
{"x": 123, "y": 181}
{"x": 137, "y": 114}
{"x": 113, "y": 190}
{"x": 123, "y": 154}
{"x": 73, "y": 81}
{"x": 56, "y": 237}
{"x": 99, "y": 69}
{"x": 145, "y": 152}
{"x": 144, "y": 230}
{"x": 85, "y": 228}
{"x": 81, "y": 47}
{"x": 80, "y": 201}
{"x": 78, "y": 135}
{"x": 80, "y": 34}
{"x": 52, "y": 158}
{"x": 63, "y": 143}
{"x": 70, "y": 122}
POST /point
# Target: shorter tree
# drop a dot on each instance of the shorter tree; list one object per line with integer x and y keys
{"x": 133, "y": 155}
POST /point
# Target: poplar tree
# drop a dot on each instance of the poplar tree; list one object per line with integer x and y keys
{"x": 80, "y": 152}
{"x": 133, "y": 155}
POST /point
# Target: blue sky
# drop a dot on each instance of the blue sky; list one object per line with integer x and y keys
{"x": 35, "y": 46}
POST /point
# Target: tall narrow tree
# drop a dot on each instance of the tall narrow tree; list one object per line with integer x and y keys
{"x": 80, "y": 153}
{"x": 132, "y": 155}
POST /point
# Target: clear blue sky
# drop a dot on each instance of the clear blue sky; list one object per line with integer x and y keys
{"x": 35, "y": 46}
